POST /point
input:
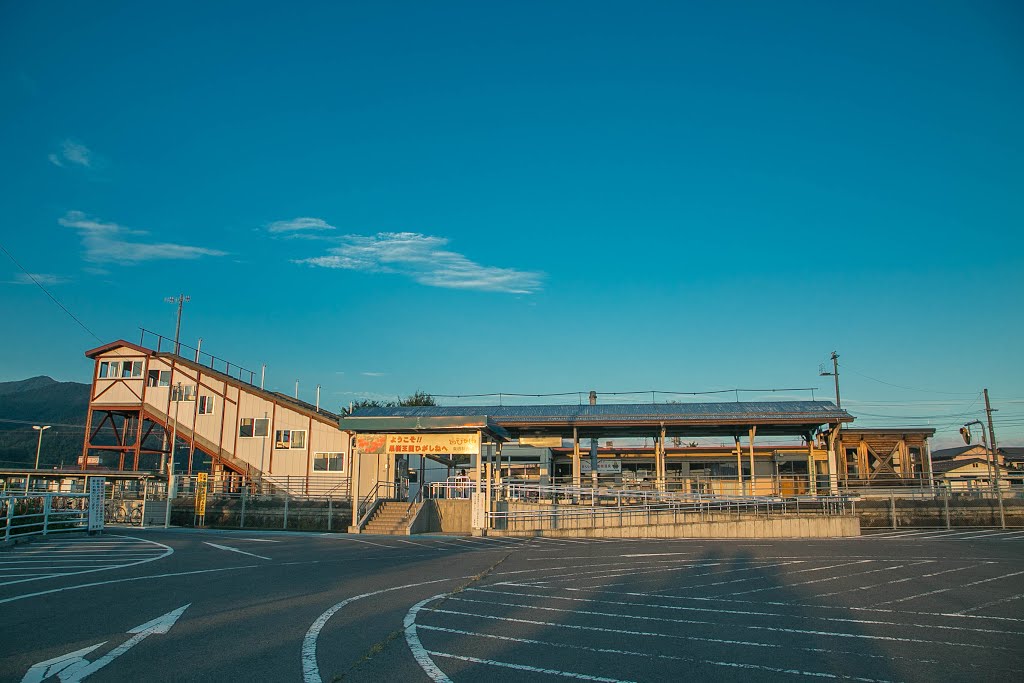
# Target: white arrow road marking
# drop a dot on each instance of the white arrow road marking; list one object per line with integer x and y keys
{"x": 73, "y": 667}
{"x": 235, "y": 550}
{"x": 52, "y": 667}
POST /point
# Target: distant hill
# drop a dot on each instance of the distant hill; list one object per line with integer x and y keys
{"x": 42, "y": 401}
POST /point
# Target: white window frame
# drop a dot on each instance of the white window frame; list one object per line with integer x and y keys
{"x": 255, "y": 424}
{"x": 133, "y": 367}
{"x": 188, "y": 393}
{"x": 327, "y": 456}
{"x": 160, "y": 381}
{"x": 110, "y": 369}
{"x": 284, "y": 439}
{"x": 206, "y": 405}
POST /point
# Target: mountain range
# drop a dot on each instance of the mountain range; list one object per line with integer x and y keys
{"x": 42, "y": 401}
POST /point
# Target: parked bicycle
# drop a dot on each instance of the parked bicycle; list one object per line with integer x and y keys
{"x": 123, "y": 512}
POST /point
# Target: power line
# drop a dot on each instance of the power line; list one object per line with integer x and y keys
{"x": 900, "y": 386}
{"x": 52, "y": 297}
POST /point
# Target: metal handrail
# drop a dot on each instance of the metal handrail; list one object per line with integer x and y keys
{"x": 365, "y": 508}
{"x": 198, "y": 356}
{"x": 49, "y": 518}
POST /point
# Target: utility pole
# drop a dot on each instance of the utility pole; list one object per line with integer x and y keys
{"x": 181, "y": 300}
{"x": 995, "y": 461}
{"x": 833, "y": 437}
{"x": 835, "y": 374}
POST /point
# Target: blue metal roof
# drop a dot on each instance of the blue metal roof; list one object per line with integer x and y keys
{"x": 747, "y": 410}
{"x": 708, "y": 418}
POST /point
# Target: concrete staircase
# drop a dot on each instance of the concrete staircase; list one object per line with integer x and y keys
{"x": 391, "y": 519}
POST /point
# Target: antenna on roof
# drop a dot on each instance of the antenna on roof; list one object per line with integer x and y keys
{"x": 296, "y": 388}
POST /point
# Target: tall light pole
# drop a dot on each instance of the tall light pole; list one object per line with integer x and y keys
{"x": 181, "y": 300}
{"x": 39, "y": 445}
{"x": 28, "y": 477}
{"x": 170, "y": 456}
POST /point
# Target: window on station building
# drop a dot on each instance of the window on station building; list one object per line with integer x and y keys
{"x": 289, "y": 438}
{"x": 328, "y": 462}
{"x": 158, "y": 378}
{"x": 185, "y": 392}
{"x": 206, "y": 405}
{"x": 253, "y": 426}
{"x": 120, "y": 368}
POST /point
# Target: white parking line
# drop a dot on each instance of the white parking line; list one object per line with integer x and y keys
{"x": 525, "y": 667}
{"x": 993, "y": 535}
{"x": 699, "y": 622}
{"x": 991, "y": 603}
{"x": 62, "y": 560}
{"x": 79, "y": 586}
{"x": 945, "y": 590}
{"x": 744, "y": 613}
{"x": 633, "y": 653}
{"x": 827, "y": 578}
{"x": 310, "y": 669}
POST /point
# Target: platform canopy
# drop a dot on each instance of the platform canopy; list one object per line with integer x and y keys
{"x": 771, "y": 418}
{"x": 423, "y": 424}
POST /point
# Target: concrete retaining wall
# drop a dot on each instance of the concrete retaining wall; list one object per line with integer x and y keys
{"x": 444, "y": 516}
{"x": 454, "y": 516}
{"x": 727, "y": 526}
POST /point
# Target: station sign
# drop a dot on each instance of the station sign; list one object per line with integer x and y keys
{"x": 96, "y": 486}
{"x": 432, "y": 444}
{"x": 540, "y": 441}
{"x": 605, "y": 466}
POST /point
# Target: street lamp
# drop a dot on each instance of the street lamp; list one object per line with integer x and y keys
{"x": 39, "y": 445}
{"x": 965, "y": 432}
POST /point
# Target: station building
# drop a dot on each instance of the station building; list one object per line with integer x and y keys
{"x": 222, "y": 421}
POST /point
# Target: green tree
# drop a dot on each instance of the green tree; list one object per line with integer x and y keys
{"x": 420, "y": 398}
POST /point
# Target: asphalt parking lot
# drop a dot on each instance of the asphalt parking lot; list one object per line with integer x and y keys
{"x": 175, "y": 605}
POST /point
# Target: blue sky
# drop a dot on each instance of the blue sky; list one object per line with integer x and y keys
{"x": 527, "y": 197}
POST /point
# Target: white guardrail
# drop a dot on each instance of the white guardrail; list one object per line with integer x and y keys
{"x": 47, "y": 513}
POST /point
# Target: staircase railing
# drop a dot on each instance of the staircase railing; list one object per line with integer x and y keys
{"x": 382, "y": 490}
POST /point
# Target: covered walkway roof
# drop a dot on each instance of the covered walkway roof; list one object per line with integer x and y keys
{"x": 772, "y": 418}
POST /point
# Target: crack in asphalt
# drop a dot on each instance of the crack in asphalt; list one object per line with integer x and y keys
{"x": 381, "y": 646}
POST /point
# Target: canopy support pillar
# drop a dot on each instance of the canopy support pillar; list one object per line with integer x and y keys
{"x": 753, "y": 479}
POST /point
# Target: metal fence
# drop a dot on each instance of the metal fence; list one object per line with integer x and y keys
{"x": 43, "y": 514}
{"x": 522, "y": 505}
{"x": 292, "y": 487}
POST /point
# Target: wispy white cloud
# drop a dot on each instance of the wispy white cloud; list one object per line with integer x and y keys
{"x": 71, "y": 152}
{"x": 299, "y": 224}
{"x": 40, "y": 278}
{"x": 425, "y": 260}
{"x": 113, "y": 243}
{"x": 372, "y": 374}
